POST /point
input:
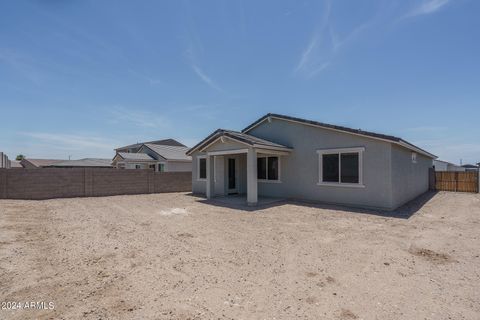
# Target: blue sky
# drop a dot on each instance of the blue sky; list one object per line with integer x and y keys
{"x": 79, "y": 78}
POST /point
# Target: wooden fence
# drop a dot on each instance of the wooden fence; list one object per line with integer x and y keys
{"x": 457, "y": 181}
{"x": 50, "y": 183}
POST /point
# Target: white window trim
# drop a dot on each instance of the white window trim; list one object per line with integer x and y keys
{"x": 198, "y": 168}
{"x": 339, "y": 151}
{"x": 279, "y": 180}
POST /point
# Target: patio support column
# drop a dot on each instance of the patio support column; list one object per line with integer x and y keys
{"x": 252, "y": 186}
{"x": 210, "y": 182}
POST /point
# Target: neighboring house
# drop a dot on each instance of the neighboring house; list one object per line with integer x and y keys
{"x": 133, "y": 148}
{"x": 286, "y": 157}
{"x": 14, "y": 164}
{"x": 470, "y": 167}
{"x": 38, "y": 163}
{"x": 440, "y": 165}
{"x": 83, "y": 163}
{"x": 155, "y": 156}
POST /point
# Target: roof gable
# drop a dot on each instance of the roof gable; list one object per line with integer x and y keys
{"x": 240, "y": 137}
{"x": 368, "y": 134}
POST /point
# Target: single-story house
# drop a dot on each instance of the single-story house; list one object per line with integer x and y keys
{"x": 83, "y": 163}
{"x": 158, "y": 157}
{"x": 38, "y": 163}
{"x": 286, "y": 157}
{"x": 441, "y": 166}
{"x": 471, "y": 167}
{"x": 14, "y": 164}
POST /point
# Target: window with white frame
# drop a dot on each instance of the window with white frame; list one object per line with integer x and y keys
{"x": 341, "y": 167}
{"x": 161, "y": 167}
{"x": 268, "y": 168}
{"x": 202, "y": 168}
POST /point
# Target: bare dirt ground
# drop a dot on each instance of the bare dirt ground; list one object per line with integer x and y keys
{"x": 170, "y": 256}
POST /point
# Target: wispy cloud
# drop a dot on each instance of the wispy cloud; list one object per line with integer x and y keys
{"x": 324, "y": 44}
{"x": 427, "y": 7}
{"x": 137, "y": 117}
{"x": 205, "y": 78}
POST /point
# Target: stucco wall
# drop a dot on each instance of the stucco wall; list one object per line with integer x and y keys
{"x": 409, "y": 180}
{"x": 299, "y": 171}
{"x": 178, "y": 166}
{"x": 197, "y": 185}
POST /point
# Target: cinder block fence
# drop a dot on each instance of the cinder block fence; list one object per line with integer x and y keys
{"x": 48, "y": 183}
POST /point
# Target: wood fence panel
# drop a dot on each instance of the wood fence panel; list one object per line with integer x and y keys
{"x": 457, "y": 181}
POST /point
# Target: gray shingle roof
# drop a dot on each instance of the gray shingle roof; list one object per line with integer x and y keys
{"x": 135, "y": 156}
{"x": 170, "y": 152}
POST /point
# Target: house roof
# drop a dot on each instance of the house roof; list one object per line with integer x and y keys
{"x": 42, "y": 162}
{"x": 170, "y": 152}
{"x": 470, "y": 166}
{"x": 166, "y": 142}
{"x": 87, "y": 162}
{"x": 360, "y": 132}
{"x": 238, "y": 136}
{"x": 15, "y": 164}
{"x": 135, "y": 156}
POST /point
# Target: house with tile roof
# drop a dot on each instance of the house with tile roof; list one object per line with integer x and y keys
{"x": 161, "y": 156}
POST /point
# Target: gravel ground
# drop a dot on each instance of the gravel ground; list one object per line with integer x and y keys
{"x": 172, "y": 256}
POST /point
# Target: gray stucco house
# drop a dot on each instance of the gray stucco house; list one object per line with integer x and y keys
{"x": 292, "y": 158}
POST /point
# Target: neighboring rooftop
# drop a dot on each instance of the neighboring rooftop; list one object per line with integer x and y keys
{"x": 135, "y": 156}
{"x": 86, "y": 162}
{"x": 166, "y": 142}
{"x": 15, "y": 164}
{"x": 40, "y": 162}
{"x": 170, "y": 152}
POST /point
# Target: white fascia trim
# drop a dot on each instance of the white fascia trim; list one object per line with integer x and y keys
{"x": 223, "y": 138}
{"x": 403, "y": 144}
{"x": 226, "y": 152}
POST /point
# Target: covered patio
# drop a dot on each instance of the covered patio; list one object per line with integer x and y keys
{"x": 235, "y": 163}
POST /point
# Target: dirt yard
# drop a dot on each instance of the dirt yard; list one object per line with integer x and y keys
{"x": 171, "y": 256}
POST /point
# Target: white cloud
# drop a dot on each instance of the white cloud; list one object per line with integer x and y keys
{"x": 427, "y": 7}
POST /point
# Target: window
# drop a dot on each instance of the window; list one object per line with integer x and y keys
{"x": 152, "y": 166}
{"x": 414, "y": 157}
{"x": 137, "y": 166}
{"x": 341, "y": 167}
{"x": 262, "y": 168}
{"x": 161, "y": 167}
{"x": 202, "y": 168}
{"x": 268, "y": 168}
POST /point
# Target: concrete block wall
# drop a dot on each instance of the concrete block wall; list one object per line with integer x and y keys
{"x": 48, "y": 183}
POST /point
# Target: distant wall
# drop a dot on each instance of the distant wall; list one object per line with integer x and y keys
{"x": 47, "y": 183}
